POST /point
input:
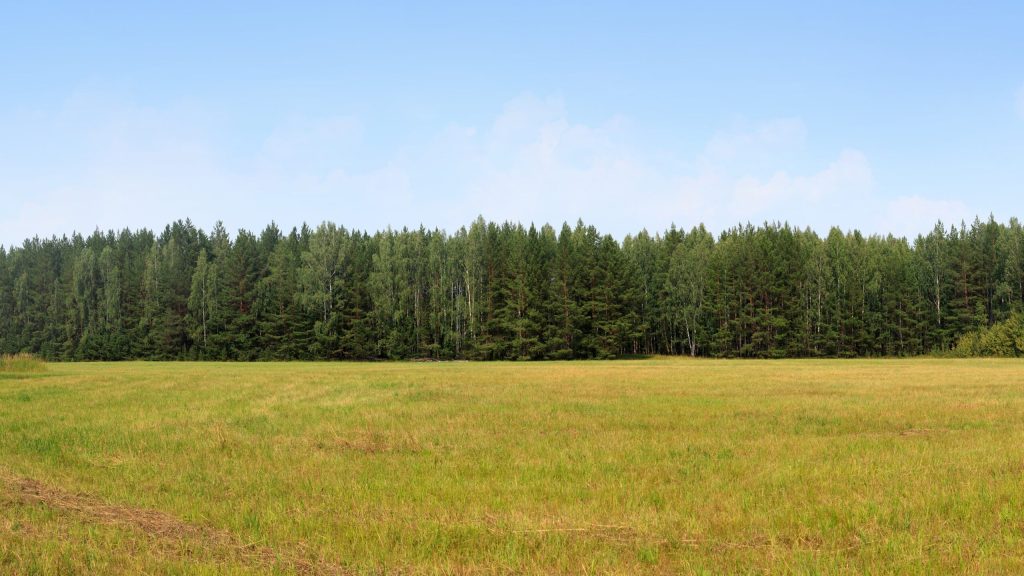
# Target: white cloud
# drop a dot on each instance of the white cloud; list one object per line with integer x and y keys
{"x": 912, "y": 215}
{"x": 534, "y": 164}
{"x": 99, "y": 163}
{"x": 848, "y": 177}
{"x": 752, "y": 143}
{"x": 317, "y": 142}
{"x": 116, "y": 165}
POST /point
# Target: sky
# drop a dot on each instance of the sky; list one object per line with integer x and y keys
{"x": 880, "y": 116}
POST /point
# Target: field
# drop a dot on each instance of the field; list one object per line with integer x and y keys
{"x": 648, "y": 466}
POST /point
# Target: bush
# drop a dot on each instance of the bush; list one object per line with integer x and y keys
{"x": 968, "y": 345}
{"x": 997, "y": 341}
{"x": 1003, "y": 339}
{"x": 21, "y": 362}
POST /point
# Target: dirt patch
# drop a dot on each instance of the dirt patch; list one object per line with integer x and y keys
{"x": 161, "y": 526}
{"x": 368, "y": 442}
{"x": 918, "y": 432}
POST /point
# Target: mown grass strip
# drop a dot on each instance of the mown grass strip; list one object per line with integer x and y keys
{"x": 170, "y": 532}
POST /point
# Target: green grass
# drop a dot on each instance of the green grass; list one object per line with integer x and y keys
{"x": 648, "y": 466}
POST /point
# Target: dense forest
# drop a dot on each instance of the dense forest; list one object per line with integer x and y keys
{"x": 503, "y": 291}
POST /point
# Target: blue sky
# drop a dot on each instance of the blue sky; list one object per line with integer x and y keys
{"x": 880, "y": 116}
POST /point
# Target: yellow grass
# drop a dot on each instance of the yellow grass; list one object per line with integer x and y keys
{"x": 655, "y": 466}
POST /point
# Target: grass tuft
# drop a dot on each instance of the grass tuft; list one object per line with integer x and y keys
{"x": 21, "y": 363}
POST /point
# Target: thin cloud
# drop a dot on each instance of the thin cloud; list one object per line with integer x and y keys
{"x": 847, "y": 177}
{"x": 121, "y": 165}
{"x": 912, "y": 215}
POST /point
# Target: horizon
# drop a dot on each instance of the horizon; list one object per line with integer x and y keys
{"x": 872, "y": 117}
{"x": 654, "y": 233}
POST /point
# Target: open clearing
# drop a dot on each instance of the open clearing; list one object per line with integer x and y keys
{"x": 648, "y": 466}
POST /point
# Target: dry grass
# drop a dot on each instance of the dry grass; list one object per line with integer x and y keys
{"x": 658, "y": 466}
{"x": 21, "y": 363}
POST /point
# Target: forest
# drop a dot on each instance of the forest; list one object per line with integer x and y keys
{"x": 494, "y": 291}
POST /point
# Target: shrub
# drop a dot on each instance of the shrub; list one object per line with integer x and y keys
{"x": 968, "y": 345}
{"x": 1005, "y": 339}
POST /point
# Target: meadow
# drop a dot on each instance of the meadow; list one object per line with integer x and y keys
{"x": 657, "y": 466}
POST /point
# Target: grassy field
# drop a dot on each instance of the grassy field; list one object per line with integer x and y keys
{"x": 649, "y": 466}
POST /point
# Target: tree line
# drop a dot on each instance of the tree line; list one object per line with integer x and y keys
{"x": 504, "y": 291}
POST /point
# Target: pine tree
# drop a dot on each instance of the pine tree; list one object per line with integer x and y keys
{"x": 494, "y": 291}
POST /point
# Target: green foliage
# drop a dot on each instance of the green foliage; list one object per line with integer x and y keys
{"x": 1004, "y": 339}
{"x": 494, "y": 291}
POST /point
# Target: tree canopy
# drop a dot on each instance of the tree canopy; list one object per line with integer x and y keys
{"x": 504, "y": 291}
